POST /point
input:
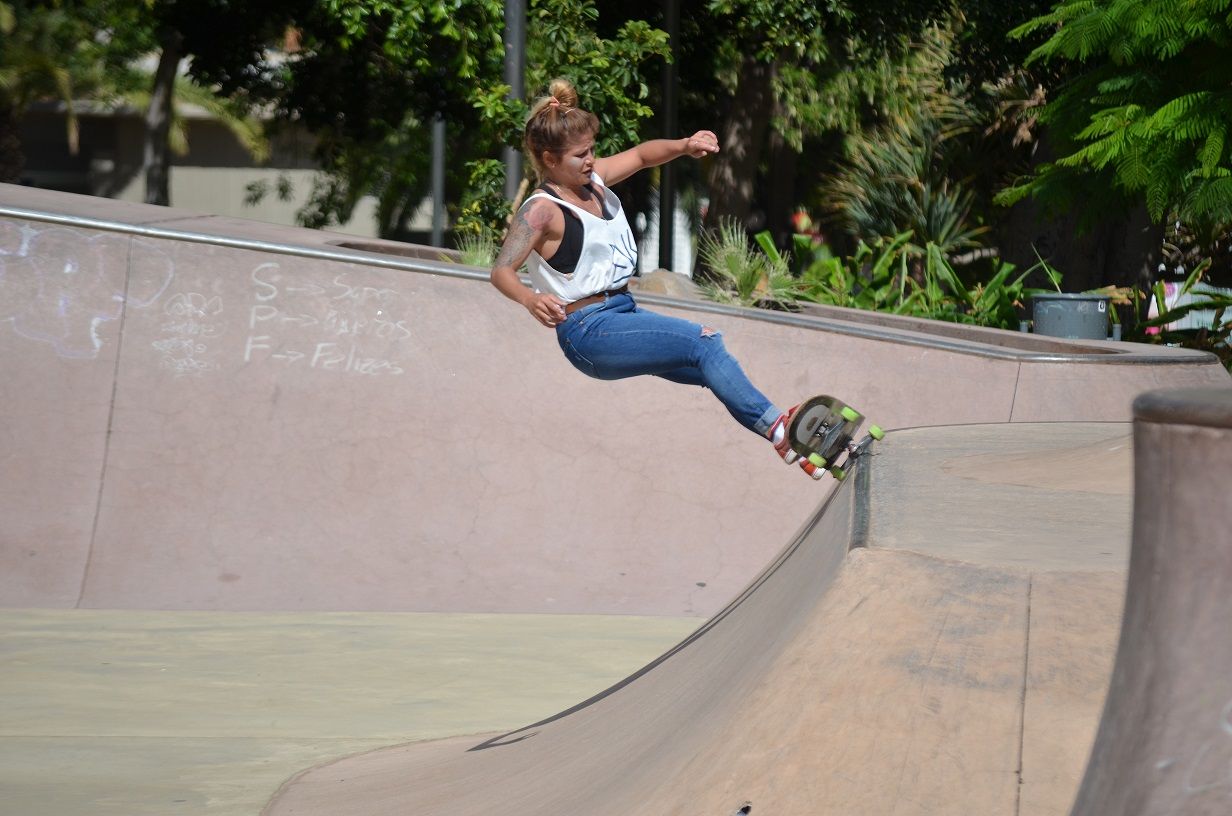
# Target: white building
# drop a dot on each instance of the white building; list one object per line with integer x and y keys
{"x": 212, "y": 177}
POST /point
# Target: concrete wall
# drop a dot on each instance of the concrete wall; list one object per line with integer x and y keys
{"x": 208, "y": 413}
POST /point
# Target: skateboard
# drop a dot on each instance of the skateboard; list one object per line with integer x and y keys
{"x": 823, "y": 430}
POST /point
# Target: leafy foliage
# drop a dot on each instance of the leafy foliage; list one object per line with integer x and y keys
{"x": 484, "y": 210}
{"x": 68, "y": 51}
{"x": 609, "y": 73}
{"x": 900, "y": 175}
{"x": 610, "y": 77}
{"x": 35, "y": 42}
{"x": 741, "y": 275}
{"x": 38, "y": 54}
{"x": 833, "y": 61}
{"x": 883, "y": 277}
{"x": 1149, "y": 110}
{"x": 367, "y": 79}
{"x": 890, "y": 274}
{"x": 1195, "y": 301}
{"x": 75, "y": 50}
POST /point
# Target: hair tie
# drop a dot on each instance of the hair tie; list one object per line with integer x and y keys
{"x": 553, "y": 102}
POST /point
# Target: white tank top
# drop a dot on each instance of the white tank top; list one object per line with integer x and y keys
{"x": 608, "y": 257}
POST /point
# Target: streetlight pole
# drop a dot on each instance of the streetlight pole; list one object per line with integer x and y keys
{"x": 515, "y": 69}
{"x": 438, "y": 180}
{"x": 667, "y": 173}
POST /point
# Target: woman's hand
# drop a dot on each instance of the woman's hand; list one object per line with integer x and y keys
{"x": 547, "y": 309}
{"x": 702, "y": 143}
{"x": 527, "y": 233}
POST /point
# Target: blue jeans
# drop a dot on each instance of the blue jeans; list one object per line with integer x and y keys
{"x": 615, "y": 339}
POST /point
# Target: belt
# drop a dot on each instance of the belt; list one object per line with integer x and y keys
{"x": 590, "y": 300}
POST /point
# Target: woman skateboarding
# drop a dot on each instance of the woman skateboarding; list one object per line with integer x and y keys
{"x": 573, "y": 237}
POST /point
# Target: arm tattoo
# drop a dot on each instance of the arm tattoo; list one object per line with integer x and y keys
{"x": 527, "y": 228}
{"x": 518, "y": 243}
{"x": 540, "y": 215}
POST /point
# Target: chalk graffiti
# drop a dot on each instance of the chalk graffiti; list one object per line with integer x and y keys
{"x": 324, "y": 328}
{"x": 360, "y": 295}
{"x": 60, "y": 286}
{"x": 194, "y": 319}
{"x": 1211, "y": 769}
{"x": 63, "y": 287}
{"x": 193, "y": 305}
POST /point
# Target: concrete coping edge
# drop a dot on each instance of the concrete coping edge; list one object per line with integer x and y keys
{"x": 1209, "y": 407}
{"x": 1126, "y": 354}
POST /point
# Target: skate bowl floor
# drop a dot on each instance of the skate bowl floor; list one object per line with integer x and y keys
{"x": 273, "y": 505}
{"x": 954, "y": 646}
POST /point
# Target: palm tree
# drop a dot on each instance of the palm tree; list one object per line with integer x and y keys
{"x": 163, "y": 93}
{"x": 31, "y": 69}
{"x": 899, "y": 175}
{"x": 167, "y": 130}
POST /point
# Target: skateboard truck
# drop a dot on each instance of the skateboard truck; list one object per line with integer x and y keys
{"x": 822, "y": 430}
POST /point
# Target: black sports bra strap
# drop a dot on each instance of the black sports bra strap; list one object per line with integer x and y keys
{"x": 569, "y": 252}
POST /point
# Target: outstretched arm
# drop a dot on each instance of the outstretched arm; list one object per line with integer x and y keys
{"x": 653, "y": 153}
{"x": 528, "y": 231}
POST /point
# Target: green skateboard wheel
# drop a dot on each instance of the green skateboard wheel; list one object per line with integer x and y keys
{"x": 817, "y": 460}
{"x": 850, "y": 414}
{"x": 875, "y": 432}
{"x": 839, "y": 473}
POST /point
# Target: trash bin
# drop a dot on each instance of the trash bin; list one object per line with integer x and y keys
{"x": 1082, "y": 317}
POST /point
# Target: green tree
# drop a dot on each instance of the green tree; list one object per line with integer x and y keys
{"x": 909, "y": 171}
{"x": 609, "y": 72}
{"x": 1144, "y": 118}
{"x": 39, "y": 50}
{"x": 962, "y": 121}
{"x": 225, "y": 41}
{"x": 91, "y": 50}
{"x": 369, "y": 77}
{"x": 786, "y": 79}
{"x": 956, "y": 121}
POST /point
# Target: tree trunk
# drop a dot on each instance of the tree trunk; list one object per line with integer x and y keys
{"x": 733, "y": 171}
{"x": 12, "y": 159}
{"x": 1123, "y": 248}
{"x": 158, "y": 122}
{"x": 1135, "y": 250}
{"x": 781, "y": 200}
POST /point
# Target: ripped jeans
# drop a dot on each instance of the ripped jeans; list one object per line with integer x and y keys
{"x": 615, "y": 339}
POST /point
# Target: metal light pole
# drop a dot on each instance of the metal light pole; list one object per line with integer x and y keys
{"x": 667, "y": 174}
{"x": 515, "y": 69}
{"x": 438, "y": 179}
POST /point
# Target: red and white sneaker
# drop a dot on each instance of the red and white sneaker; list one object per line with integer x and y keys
{"x": 784, "y": 449}
{"x": 783, "y": 446}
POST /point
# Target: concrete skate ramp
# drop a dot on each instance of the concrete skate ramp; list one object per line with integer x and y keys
{"x": 1165, "y": 740}
{"x": 890, "y": 681}
{"x": 213, "y": 414}
{"x": 894, "y": 678}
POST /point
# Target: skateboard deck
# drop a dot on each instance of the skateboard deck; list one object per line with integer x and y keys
{"x": 823, "y": 430}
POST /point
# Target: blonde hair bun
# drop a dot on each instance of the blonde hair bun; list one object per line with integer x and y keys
{"x": 564, "y": 92}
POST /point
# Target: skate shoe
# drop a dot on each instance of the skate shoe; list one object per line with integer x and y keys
{"x": 784, "y": 449}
